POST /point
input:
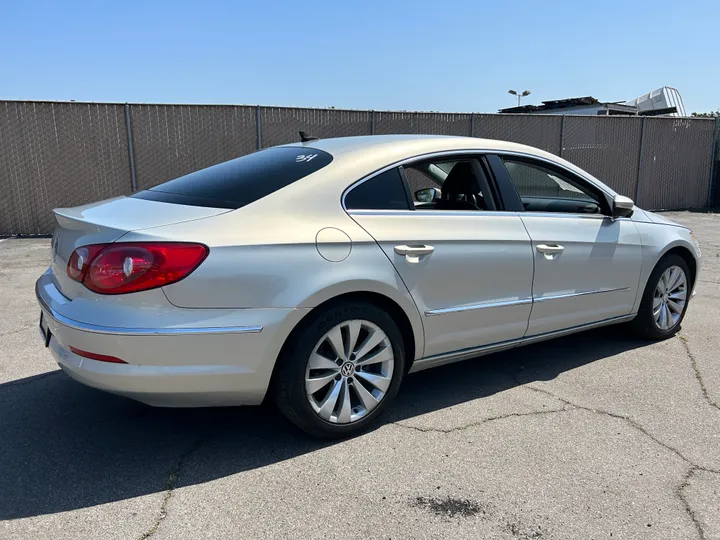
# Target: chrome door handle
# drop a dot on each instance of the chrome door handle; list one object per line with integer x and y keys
{"x": 414, "y": 251}
{"x": 549, "y": 248}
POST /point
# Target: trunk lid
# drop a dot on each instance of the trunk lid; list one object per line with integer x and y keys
{"x": 107, "y": 221}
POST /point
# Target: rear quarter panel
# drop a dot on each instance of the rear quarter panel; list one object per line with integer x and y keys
{"x": 266, "y": 256}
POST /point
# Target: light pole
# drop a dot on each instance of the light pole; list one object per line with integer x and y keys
{"x": 519, "y": 95}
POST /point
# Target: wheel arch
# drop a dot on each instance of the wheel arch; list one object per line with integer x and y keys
{"x": 677, "y": 248}
{"x": 687, "y": 255}
{"x": 411, "y": 330}
{"x": 642, "y": 323}
{"x": 386, "y": 293}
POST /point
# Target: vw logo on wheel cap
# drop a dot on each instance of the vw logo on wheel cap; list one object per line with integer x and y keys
{"x": 347, "y": 369}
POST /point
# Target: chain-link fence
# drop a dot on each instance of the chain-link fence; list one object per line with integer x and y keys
{"x": 540, "y": 131}
{"x": 280, "y": 125}
{"x": 675, "y": 152}
{"x": 58, "y": 154}
{"x": 67, "y": 154}
{"x": 173, "y": 140}
{"x": 606, "y": 147}
{"x": 386, "y": 123}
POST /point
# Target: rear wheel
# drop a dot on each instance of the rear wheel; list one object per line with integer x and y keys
{"x": 665, "y": 299}
{"x": 341, "y": 370}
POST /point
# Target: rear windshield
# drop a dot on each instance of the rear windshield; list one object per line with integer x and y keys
{"x": 241, "y": 181}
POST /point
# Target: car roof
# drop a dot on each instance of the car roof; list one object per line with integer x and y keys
{"x": 412, "y": 144}
{"x": 372, "y": 152}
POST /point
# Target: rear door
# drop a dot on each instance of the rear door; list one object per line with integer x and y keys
{"x": 587, "y": 264}
{"x": 469, "y": 271}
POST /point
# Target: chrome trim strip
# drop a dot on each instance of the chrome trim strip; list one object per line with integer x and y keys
{"x": 480, "y": 214}
{"x": 119, "y": 331}
{"x": 464, "y": 354}
{"x": 584, "y": 293}
{"x": 473, "y": 307}
{"x": 568, "y": 215}
{"x": 435, "y": 213}
{"x": 483, "y": 305}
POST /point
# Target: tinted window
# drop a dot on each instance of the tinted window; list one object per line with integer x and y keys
{"x": 239, "y": 182}
{"x": 536, "y": 181}
{"x": 542, "y": 189}
{"x": 456, "y": 183}
{"x": 382, "y": 192}
{"x": 418, "y": 179}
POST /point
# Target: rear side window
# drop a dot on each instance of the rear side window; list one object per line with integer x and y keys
{"x": 385, "y": 191}
{"x": 241, "y": 181}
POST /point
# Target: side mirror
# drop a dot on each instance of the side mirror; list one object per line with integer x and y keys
{"x": 427, "y": 194}
{"x": 622, "y": 206}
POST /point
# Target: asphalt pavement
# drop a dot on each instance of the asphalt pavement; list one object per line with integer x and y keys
{"x": 592, "y": 436}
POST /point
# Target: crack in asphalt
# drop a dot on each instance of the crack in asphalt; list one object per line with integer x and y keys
{"x": 698, "y": 375}
{"x": 480, "y": 422}
{"x": 688, "y": 509}
{"x": 570, "y": 406}
{"x": 630, "y": 421}
{"x": 694, "y": 468}
{"x": 678, "y": 492}
{"x": 170, "y": 486}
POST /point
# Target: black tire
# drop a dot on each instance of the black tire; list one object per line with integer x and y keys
{"x": 288, "y": 387}
{"x": 644, "y": 325}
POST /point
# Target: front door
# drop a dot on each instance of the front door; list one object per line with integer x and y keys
{"x": 587, "y": 265}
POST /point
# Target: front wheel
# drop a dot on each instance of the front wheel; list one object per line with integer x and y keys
{"x": 340, "y": 371}
{"x": 665, "y": 299}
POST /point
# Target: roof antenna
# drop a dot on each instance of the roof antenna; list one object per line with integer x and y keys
{"x": 304, "y": 137}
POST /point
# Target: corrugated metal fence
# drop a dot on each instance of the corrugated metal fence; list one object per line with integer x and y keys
{"x": 56, "y": 154}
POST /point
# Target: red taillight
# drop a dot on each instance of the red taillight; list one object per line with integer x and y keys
{"x": 80, "y": 261}
{"x": 134, "y": 266}
{"x": 99, "y": 357}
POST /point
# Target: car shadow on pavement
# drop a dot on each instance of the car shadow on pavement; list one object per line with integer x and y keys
{"x": 64, "y": 446}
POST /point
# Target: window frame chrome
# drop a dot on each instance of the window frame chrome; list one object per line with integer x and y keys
{"x": 477, "y": 153}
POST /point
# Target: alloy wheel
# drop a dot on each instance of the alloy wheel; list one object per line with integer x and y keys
{"x": 670, "y": 298}
{"x": 349, "y": 371}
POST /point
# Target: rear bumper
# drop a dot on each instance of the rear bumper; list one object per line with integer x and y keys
{"x": 170, "y": 365}
{"x": 162, "y": 386}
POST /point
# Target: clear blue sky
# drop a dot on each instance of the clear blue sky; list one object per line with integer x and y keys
{"x": 447, "y": 55}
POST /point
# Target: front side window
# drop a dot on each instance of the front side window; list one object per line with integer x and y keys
{"x": 542, "y": 189}
{"x": 385, "y": 191}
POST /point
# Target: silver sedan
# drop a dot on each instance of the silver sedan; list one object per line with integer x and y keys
{"x": 321, "y": 273}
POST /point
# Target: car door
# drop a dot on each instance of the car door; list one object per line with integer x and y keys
{"x": 468, "y": 271}
{"x": 587, "y": 264}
